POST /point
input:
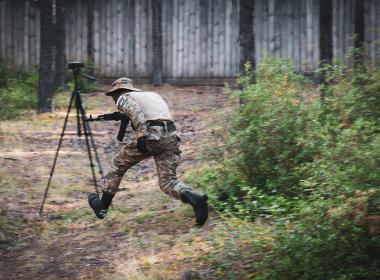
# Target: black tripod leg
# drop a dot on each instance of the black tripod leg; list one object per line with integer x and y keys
{"x": 83, "y": 117}
{"x": 77, "y": 106}
{"x": 56, "y": 153}
{"x": 95, "y": 150}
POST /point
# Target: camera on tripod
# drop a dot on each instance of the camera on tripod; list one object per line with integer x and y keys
{"x": 76, "y": 65}
{"x": 82, "y": 125}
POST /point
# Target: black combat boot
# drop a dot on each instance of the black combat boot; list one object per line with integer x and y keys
{"x": 199, "y": 203}
{"x": 100, "y": 206}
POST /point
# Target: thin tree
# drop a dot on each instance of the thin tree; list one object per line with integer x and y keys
{"x": 359, "y": 33}
{"x": 60, "y": 77}
{"x": 45, "y": 85}
{"x": 246, "y": 34}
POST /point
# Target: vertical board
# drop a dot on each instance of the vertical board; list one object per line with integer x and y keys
{"x": 200, "y": 37}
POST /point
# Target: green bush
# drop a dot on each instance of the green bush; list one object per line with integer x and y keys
{"x": 18, "y": 92}
{"x": 313, "y": 164}
{"x": 320, "y": 244}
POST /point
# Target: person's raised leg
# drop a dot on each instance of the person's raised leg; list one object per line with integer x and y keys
{"x": 127, "y": 157}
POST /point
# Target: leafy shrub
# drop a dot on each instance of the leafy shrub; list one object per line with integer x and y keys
{"x": 324, "y": 245}
{"x": 18, "y": 92}
{"x": 314, "y": 165}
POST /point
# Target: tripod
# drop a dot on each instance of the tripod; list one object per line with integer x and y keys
{"x": 76, "y": 99}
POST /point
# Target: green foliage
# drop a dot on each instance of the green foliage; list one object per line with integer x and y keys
{"x": 323, "y": 246}
{"x": 313, "y": 164}
{"x": 18, "y": 92}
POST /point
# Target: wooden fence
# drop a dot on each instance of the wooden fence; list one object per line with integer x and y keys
{"x": 200, "y": 37}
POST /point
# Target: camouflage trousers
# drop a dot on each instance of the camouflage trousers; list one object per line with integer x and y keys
{"x": 166, "y": 153}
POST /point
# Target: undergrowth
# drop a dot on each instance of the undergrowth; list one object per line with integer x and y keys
{"x": 18, "y": 92}
{"x": 310, "y": 168}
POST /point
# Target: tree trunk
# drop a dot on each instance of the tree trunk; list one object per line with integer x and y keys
{"x": 325, "y": 38}
{"x": 246, "y": 34}
{"x": 60, "y": 78}
{"x": 45, "y": 85}
{"x": 359, "y": 33}
{"x": 157, "y": 43}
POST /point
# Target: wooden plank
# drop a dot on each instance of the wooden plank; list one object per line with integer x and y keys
{"x": 271, "y": 26}
{"x": 197, "y": 44}
{"x": 124, "y": 39}
{"x": 316, "y": 25}
{"x": 7, "y": 27}
{"x": 145, "y": 34}
{"x": 26, "y": 65}
{"x": 119, "y": 55}
{"x": 114, "y": 34}
{"x": 2, "y": 24}
{"x": 303, "y": 48}
{"x": 309, "y": 35}
{"x": 181, "y": 38}
{"x": 258, "y": 30}
{"x": 138, "y": 31}
{"x": 281, "y": 29}
{"x": 174, "y": 39}
{"x": 216, "y": 43}
{"x": 149, "y": 38}
{"x": 341, "y": 34}
{"x": 187, "y": 30}
{"x": 222, "y": 38}
{"x": 210, "y": 39}
{"x": 164, "y": 37}
{"x": 335, "y": 27}
{"x": 169, "y": 37}
{"x": 204, "y": 37}
{"x": 376, "y": 43}
{"x": 131, "y": 37}
{"x": 228, "y": 40}
{"x": 33, "y": 35}
{"x": 78, "y": 21}
{"x": 144, "y": 39}
{"x": 235, "y": 59}
{"x": 103, "y": 36}
{"x": 96, "y": 36}
{"x": 193, "y": 46}
{"x": 109, "y": 41}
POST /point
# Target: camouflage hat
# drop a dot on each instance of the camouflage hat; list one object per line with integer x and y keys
{"x": 122, "y": 84}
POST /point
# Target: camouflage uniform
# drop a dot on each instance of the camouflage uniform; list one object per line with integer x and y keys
{"x": 163, "y": 144}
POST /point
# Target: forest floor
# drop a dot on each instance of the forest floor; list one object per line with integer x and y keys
{"x": 146, "y": 235}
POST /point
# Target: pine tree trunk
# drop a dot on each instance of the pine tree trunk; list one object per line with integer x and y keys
{"x": 359, "y": 33}
{"x": 325, "y": 38}
{"x": 157, "y": 43}
{"x": 60, "y": 77}
{"x": 246, "y": 34}
{"x": 45, "y": 85}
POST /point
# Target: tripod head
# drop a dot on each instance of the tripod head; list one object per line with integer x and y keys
{"x": 75, "y": 67}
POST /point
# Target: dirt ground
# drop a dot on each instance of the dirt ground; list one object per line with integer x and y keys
{"x": 146, "y": 235}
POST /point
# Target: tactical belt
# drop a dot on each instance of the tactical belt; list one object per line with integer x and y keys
{"x": 168, "y": 126}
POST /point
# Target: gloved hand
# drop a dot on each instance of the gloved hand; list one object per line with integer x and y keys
{"x": 141, "y": 145}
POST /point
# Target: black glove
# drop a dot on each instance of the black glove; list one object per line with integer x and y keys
{"x": 141, "y": 146}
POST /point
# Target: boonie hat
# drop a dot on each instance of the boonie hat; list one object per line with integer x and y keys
{"x": 121, "y": 84}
